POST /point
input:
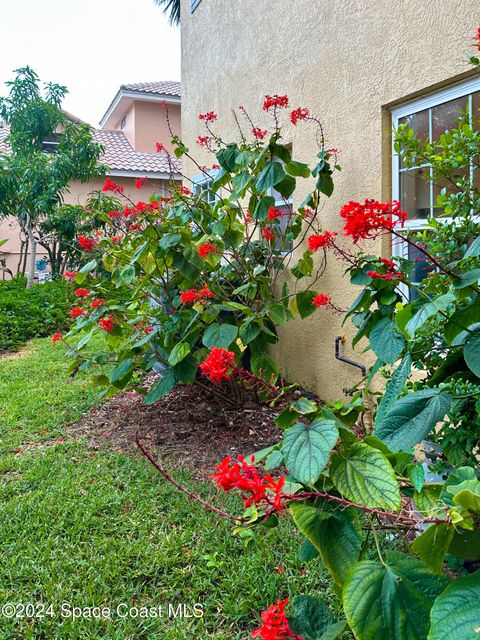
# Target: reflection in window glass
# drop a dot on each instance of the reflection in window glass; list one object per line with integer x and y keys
{"x": 415, "y": 192}
{"x": 445, "y": 116}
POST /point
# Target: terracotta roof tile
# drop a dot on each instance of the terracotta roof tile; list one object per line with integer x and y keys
{"x": 119, "y": 154}
{"x": 166, "y": 87}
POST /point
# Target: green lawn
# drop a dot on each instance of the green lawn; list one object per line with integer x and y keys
{"x": 96, "y": 528}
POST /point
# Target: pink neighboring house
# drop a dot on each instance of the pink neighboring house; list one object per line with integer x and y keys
{"x": 132, "y": 125}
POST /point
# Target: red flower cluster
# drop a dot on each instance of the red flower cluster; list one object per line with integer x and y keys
{"x": 107, "y": 323}
{"x": 116, "y": 239}
{"x": 244, "y": 476}
{"x": 159, "y": 147}
{"x": 206, "y": 248}
{"x": 139, "y": 182}
{"x": 275, "y": 624}
{"x": 185, "y": 191}
{"x": 259, "y": 133}
{"x": 191, "y": 296}
{"x": 135, "y": 227}
{"x": 371, "y": 219}
{"x": 203, "y": 141}
{"x": 273, "y": 213}
{"x": 320, "y": 240}
{"x": 76, "y": 312}
{"x": 114, "y": 214}
{"x": 268, "y": 233}
{"x": 99, "y": 302}
{"x": 82, "y": 293}
{"x": 321, "y": 300}
{"x": 391, "y": 273}
{"x": 275, "y": 101}
{"x": 218, "y": 365}
{"x": 210, "y": 116}
{"x": 299, "y": 114}
{"x": 215, "y": 167}
{"x": 70, "y": 275}
{"x": 86, "y": 243}
{"x": 56, "y": 337}
{"x": 112, "y": 186}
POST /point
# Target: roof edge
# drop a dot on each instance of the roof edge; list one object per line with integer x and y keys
{"x": 137, "y": 95}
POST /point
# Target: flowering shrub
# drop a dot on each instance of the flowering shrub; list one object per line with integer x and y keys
{"x": 207, "y": 276}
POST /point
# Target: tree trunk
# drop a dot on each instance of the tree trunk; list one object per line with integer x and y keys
{"x": 33, "y": 252}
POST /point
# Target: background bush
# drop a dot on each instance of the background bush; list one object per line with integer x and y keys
{"x": 28, "y": 313}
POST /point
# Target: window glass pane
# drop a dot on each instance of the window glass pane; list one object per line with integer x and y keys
{"x": 419, "y": 123}
{"x": 450, "y": 186}
{"x": 415, "y": 192}
{"x": 421, "y": 268}
{"x": 445, "y": 116}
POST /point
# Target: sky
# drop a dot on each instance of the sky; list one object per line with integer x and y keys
{"x": 91, "y": 46}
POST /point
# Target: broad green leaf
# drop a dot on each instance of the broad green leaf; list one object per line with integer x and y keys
{"x": 461, "y": 320}
{"x": 263, "y": 366}
{"x": 271, "y": 175}
{"x": 305, "y": 406}
{"x": 386, "y": 342}
{"x": 332, "y": 534}
{"x": 160, "y": 388}
{"x": 220, "y": 335}
{"x": 277, "y": 313}
{"x": 179, "y": 352}
{"x": 432, "y": 545}
{"x": 286, "y": 186}
{"x": 334, "y": 630}
{"x": 90, "y": 266}
{"x": 467, "y": 279}
{"x": 310, "y": 618}
{"x": 169, "y": 240}
{"x": 416, "y": 475}
{"x": 121, "y": 370}
{"x": 455, "y": 614}
{"x": 127, "y": 274}
{"x": 274, "y": 460}
{"x": 304, "y": 303}
{"x": 471, "y": 353}
{"x": 473, "y": 249}
{"x": 364, "y": 475}
{"x": 297, "y": 169}
{"x": 468, "y": 496}
{"x": 428, "y": 501}
{"x": 306, "y": 448}
{"x": 466, "y": 544}
{"x": 393, "y": 388}
{"x": 410, "y": 419}
{"x": 307, "y": 552}
{"x": 428, "y": 310}
{"x": 392, "y": 601}
{"x": 249, "y": 330}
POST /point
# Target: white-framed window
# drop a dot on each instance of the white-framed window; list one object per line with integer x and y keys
{"x": 429, "y": 116}
{"x": 202, "y": 186}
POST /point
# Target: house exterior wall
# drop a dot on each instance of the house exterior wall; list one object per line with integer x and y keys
{"x": 129, "y": 128}
{"x": 348, "y": 61}
{"x": 151, "y": 125}
{"x": 78, "y": 195}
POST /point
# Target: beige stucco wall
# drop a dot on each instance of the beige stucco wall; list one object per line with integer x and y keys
{"x": 78, "y": 195}
{"x": 151, "y": 125}
{"x": 347, "y": 60}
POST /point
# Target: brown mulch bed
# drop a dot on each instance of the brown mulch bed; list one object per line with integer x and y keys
{"x": 190, "y": 425}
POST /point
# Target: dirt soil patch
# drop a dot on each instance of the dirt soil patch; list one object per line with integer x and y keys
{"x": 190, "y": 425}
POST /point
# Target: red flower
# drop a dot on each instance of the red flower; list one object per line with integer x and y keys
{"x": 159, "y": 146}
{"x": 56, "y": 337}
{"x": 185, "y": 191}
{"x": 275, "y": 624}
{"x": 273, "y": 213}
{"x": 112, "y": 186}
{"x": 114, "y": 214}
{"x": 190, "y": 296}
{"x": 371, "y": 219}
{"x": 321, "y": 300}
{"x": 320, "y": 240}
{"x": 206, "y": 248}
{"x": 215, "y": 167}
{"x": 299, "y": 114}
{"x": 127, "y": 212}
{"x": 82, "y": 293}
{"x": 308, "y": 213}
{"x": 203, "y": 141}
{"x": 107, "y": 323}
{"x": 148, "y": 329}
{"x": 139, "y": 182}
{"x": 218, "y": 365}
{"x": 391, "y": 273}
{"x": 210, "y": 116}
{"x": 268, "y": 233}
{"x": 259, "y": 133}
{"x": 86, "y": 243}
{"x": 76, "y": 312}
{"x": 70, "y": 275}
{"x": 116, "y": 239}
{"x": 275, "y": 101}
{"x": 98, "y": 303}
{"x": 135, "y": 227}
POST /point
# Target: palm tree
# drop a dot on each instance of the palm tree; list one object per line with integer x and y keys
{"x": 171, "y": 8}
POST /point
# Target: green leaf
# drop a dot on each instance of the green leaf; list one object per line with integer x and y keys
{"x": 426, "y": 311}
{"x": 304, "y": 266}
{"x": 286, "y": 186}
{"x": 160, "y": 388}
{"x": 307, "y": 552}
{"x": 334, "y": 630}
{"x": 310, "y": 617}
{"x": 416, "y": 475}
{"x": 392, "y": 601}
{"x": 227, "y": 157}
{"x": 386, "y": 342}
{"x": 263, "y": 366}
{"x": 412, "y": 418}
{"x": 469, "y": 496}
{"x": 305, "y": 406}
{"x": 461, "y": 320}
{"x": 455, "y": 613}
{"x": 364, "y": 475}
{"x": 432, "y": 545}
{"x": 274, "y": 460}
{"x": 306, "y": 448}
{"x": 474, "y": 249}
{"x": 297, "y": 169}
{"x": 471, "y": 353}
{"x": 90, "y": 266}
{"x": 277, "y": 313}
{"x": 304, "y": 303}
{"x": 249, "y": 330}
{"x": 179, "y": 352}
{"x": 271, "y": 175}
{"x": 220, "y": 335}
{"x": 467, "y": 279}
{"x": 169, "y": 240}
{"x": 121, "y": 370}
{"x": 333, "y": 536}
{"x": 393, "y": 388}
{"x": 127, "y": 274}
